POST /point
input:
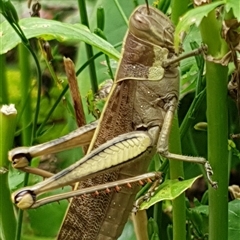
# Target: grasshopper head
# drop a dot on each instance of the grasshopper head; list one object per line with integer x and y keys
{"x": 152, "y": 26}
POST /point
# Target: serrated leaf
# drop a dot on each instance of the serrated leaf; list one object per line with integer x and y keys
{"x": 51, "y": 29}
{"x": 169, "y": 190}
{"x": 193, "y": 16}
{"x": 235, "y": 6}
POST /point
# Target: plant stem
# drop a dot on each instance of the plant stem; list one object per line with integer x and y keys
{"x": 29, "y": 129}
{"x": 179, "y": 7}
{"x": 3, "y": 81}
{"x": 25, "y": 69}
{"x": 176, "y": 167}
{"x": 7, "y": 130}
{"x": 121, "y": 11}
{"x": 39, "y": 82}
{"x": 89, "y": 49}
{"x": 218, "y": 152}
{"x": 176, "y": 171}
{"x": 216, "y": 77}
{"x": 7, "y": 217}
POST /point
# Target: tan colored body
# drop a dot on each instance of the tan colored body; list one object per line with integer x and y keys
{"x": 133, "y": 104}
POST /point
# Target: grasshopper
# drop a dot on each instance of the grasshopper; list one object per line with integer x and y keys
{"x": 134, "y": 125}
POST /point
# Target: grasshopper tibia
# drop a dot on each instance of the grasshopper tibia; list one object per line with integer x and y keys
{"x": 27, "y": 198}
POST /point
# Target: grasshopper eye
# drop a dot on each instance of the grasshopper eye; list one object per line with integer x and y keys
{"x": 170, "y": 29}
{"x": 139, "y": 23}
{"x": 139, "y": 18}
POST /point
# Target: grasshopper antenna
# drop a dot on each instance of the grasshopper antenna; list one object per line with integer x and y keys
{"x": 148, "y": 10}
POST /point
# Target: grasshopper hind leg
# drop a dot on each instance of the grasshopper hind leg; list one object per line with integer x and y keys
{"x": 162, "y": 146}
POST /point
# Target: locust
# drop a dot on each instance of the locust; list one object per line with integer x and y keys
{"x": 134, "y": 125}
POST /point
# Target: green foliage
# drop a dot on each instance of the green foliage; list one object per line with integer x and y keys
{"x": 169, "y": 190}
{"x": 194, "y": 16}
{"x": 49, "y": 30}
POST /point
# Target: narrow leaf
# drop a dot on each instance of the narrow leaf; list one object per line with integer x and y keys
{"x": 49, "y": 30}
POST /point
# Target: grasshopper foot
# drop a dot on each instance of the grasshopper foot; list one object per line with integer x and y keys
{"x": 209, "y": 172}
{"x": 147, "y": 196}
{"x": 142, "y": 199}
